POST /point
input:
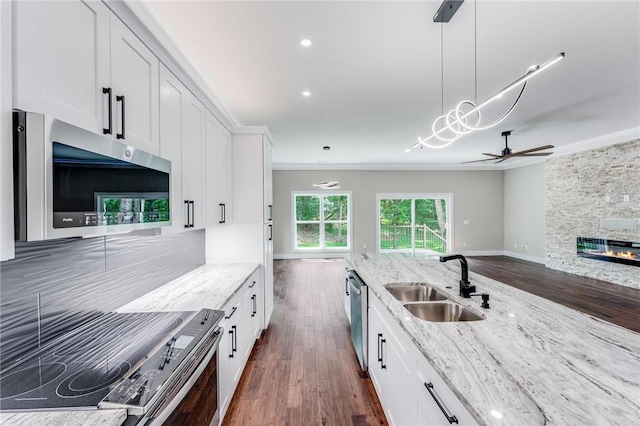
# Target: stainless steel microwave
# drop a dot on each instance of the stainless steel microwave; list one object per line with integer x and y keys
{"x": 69, "y": 182}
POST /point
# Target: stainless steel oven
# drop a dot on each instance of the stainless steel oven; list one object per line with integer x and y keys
{"x": 358, "y": 295}
{"x": 147, "y": 363}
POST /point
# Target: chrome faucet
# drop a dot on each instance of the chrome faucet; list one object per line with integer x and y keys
{"x": 465, "y": 286}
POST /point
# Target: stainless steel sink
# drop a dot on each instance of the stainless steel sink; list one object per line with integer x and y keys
{"x": 441, "y": 312}
{"x": 414, "y": 292}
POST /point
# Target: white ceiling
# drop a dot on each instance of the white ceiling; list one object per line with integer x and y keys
{"x": 374, "y": 71}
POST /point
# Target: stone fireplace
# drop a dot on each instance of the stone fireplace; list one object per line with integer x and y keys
{"x": 593, "y": 195}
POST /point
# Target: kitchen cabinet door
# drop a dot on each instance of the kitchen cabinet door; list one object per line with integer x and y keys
{"x": 134, "y": 81}
{"x": 268, "y": 180}
{"x": 173, "y": 97}
{"x": 267, "y": 264}
{"x": 62, "y": 60}
{"x": 431, "y": 390}
{"x": 218, "y": 172}
{"x": 376, "y": 365}
{"x": 193, "y": 157}
{"x": 229, "y": 354}
{"x": 225, "y": 162}
{"x": 256, "y": 305}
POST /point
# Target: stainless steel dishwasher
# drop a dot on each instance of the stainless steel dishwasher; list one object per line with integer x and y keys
{"x": 358, "y": 295}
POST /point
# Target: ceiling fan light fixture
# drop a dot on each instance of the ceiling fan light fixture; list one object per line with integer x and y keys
{"x": 331, "y": 184}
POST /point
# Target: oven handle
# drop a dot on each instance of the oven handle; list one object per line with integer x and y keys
{"x": 163, "y": 408}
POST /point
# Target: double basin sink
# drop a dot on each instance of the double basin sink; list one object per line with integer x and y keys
{"x": 428, "y": 304}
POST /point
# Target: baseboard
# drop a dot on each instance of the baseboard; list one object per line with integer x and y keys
{"x": 290, "y": 256}
{"x": 524, "y": 257}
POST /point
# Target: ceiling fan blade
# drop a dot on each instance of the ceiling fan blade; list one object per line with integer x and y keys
{"x": 492, "y": 155}
{"x": 537, "y": 154}
{"x": 477, "y": 161}
{"x": 526, "y": 151}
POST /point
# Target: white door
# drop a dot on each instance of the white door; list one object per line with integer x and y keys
{"x": 61, "y": 61}
{"x": 173, "y": 96}
{"x": 134, "y": 80}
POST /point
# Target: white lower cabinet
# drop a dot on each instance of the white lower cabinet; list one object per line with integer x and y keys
{"x": 409, "y": 389}
{"x": 389, "y": 363}
{"x": 239, "y": 335}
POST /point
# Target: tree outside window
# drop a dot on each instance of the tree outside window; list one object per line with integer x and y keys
{"x": 322, "y": 221}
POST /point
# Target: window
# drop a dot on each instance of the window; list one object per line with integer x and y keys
{"x": 322, "y": 221}
{"x": 414, "y": 222}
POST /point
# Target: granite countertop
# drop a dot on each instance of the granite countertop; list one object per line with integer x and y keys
{"x": 533, "y": 360}
{"x": 209, "y": 286}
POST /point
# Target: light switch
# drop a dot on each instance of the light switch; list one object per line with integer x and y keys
{"x": 607, "y": 198}
{"x": 465, "y": 222}
{"x": 625, "y": 197}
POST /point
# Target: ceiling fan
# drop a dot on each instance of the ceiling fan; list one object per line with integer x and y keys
{"x": 507, "y": 153}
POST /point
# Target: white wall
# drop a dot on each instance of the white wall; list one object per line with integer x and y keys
{"x": 524, "y": 217}
{"x": 477, "y": 197}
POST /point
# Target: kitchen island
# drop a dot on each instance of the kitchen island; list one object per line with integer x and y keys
{"x": 209, "y": 286}
{"x": 529, "y": 362}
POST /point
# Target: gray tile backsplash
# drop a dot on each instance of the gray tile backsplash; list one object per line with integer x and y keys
{"x": 53, "y": 286}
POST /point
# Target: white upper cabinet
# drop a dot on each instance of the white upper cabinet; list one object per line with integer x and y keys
{"x": 77, "y": 62}
{"x": 7, "y": 249}
{"x": 193, "y": 162}
{"x": 134, "y": 81}
{"x": 218, "y": 172}
{"x": 173, "y": 97}
{"x": 61, "y": 60}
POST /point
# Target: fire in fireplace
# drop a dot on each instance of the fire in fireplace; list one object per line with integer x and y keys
{"x": 625, "y": 252}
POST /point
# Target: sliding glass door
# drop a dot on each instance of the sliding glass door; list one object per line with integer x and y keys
{"x": 414, "y": 222}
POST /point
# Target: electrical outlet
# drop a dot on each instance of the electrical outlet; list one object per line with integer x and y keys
{"x": 515, "y": 245}
{"x": 526, "y": 248}
{"x": 364, "y": 246}
{"x": 464, "y": 244}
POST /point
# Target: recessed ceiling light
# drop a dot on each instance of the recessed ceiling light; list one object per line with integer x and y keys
{"x": 306, "y": 93}
{"x": 305, "y": 42}
{"x": 407, "y": 150}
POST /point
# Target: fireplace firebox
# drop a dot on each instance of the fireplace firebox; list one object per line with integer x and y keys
{"x": 625, "y": 252}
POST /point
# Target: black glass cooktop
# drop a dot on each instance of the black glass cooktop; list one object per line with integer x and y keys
{"x": 80, "y": 369}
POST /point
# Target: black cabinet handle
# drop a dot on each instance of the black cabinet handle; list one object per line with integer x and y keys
{"x": 187, "y": 216}
{"x": 233, "y": 311}
{"x": 223, "y": 213}
{"x": 270, "y": 212}
{"x": 120, "y": 98}
{"x": 108, "y": 130}
{"x": 346, "y": 286}
{"x": 379, "y": 348}
{"x": 253, "y": 284}
{"x": 193, "y": 213}
{"x": 235, "y": 339}
{"x": 382, "y": 364}
{"x": 270, "y": 232}
{"x": 232, "y": 332}
{"x": 254, "y": 305}
{"x": 451, "y": 418}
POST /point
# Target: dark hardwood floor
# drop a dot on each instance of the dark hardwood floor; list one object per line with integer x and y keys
{"x": 610, "y": 302}
{"x": 303, "y": 370}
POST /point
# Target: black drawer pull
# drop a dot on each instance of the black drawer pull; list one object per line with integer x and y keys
{"x": 450, "y": 418}
{"x": 120, "y": 98}
{"x": 254, "y": 283}
{"x": 233, "y": 311}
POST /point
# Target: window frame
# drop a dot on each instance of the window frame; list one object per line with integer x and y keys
{"x": 447, "y": 196}
{"x": 321, "y": 222}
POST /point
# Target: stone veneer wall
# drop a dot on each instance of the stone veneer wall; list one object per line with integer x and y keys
{"x": 575, "y": 189}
